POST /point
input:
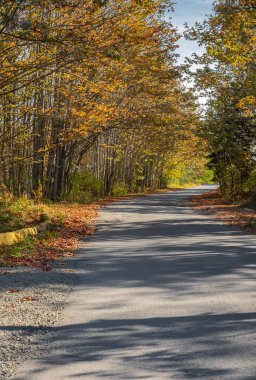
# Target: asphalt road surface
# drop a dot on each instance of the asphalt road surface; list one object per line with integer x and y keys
{"x": 165, "y": 292}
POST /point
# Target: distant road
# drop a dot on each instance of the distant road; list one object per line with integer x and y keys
{"x": 166, "y": 293}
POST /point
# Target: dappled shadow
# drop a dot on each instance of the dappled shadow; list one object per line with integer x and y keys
{"x": 182, "y": 347}
{"x": 158, "y": 203}
{"x": 174, "y": 251}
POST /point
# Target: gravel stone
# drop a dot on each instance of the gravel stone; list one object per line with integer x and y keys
{"x": 31, "y": 302}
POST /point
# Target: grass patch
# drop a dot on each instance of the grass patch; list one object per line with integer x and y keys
{"x": 18, "y": 250}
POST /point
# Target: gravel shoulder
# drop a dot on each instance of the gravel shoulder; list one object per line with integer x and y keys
{"x": 31, "y": 302}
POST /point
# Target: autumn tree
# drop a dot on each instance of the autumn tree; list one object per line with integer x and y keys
{"x": 79, "y": 75}
{"x": 226, "y": 75}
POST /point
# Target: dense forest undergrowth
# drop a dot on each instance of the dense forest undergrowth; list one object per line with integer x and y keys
{"x": 93, "y": 104}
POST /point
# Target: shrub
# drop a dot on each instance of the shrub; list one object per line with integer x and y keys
{"x": 85, "y": 188}
{"x": 16, "y": 213}
{"x": 120, "y": 188}
{"x": 250, "y": 184}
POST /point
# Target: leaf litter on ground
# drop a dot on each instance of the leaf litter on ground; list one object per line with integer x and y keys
{"x": 226, "y": 211}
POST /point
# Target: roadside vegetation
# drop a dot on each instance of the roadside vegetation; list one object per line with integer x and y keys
{"x": 67, "y": 224}
{"x": 226, "y": 76}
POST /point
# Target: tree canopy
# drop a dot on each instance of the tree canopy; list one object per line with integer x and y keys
{"x": 226, "y": 75}
{"x": 89, "y": 86}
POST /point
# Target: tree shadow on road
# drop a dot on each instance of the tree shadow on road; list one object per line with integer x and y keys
{"x": 197, "y": 346}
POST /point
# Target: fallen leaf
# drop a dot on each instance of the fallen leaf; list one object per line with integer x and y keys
{"x": 68, "y": 254}
{"x": 13, "y": 291}
{"x": 29, "y": 298}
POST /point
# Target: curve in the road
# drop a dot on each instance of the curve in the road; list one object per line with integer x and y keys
{"x": 166, "y": 293}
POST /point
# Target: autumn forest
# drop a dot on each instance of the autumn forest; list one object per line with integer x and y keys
{"x": 93, "y": 101}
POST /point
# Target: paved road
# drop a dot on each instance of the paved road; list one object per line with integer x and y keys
{"x": 166, "y": 293}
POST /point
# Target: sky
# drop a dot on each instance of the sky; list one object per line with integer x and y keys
{"x": 189, "y": 11}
